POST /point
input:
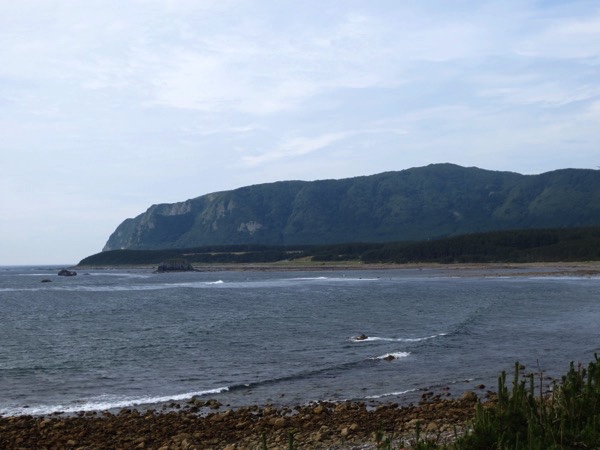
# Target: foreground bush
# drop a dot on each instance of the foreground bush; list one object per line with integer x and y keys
{"x": 520, "y": 419}
{"x": 567, "y": 419}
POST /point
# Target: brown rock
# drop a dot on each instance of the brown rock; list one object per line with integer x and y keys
{"x": 320, "y": 409}
{"x": 431, "y": 427}
{"x": 278, "y": 422}
{"x": 316, "y": 437}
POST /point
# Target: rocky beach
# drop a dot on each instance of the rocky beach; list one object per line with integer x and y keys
{"x": 200, "y": 424}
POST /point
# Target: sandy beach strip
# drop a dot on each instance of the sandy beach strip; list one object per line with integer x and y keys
{"x": 540, "y": 269}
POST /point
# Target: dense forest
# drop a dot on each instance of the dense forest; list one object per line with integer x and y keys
{"x": 529, "y": 245}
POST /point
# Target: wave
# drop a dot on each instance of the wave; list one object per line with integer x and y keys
{"x": 192, "y": 284}
{"x": 112, "y": 402}
{"x": 342, "y": 278}
{"x": 115, "y": 288}
{"x": 390, "y": 356}
{"x": 310, "y": 373}
{"x": 104, "y": 403}
{"x": 80, "y": 288}
{"x": 386, "y": 339}
{"x": 119, "y": 274}
{"x": 310, "y": 278}
{"x": 391, "y": 394}
{"x": 45, "y": 274}
{"x": 109, "y": 402}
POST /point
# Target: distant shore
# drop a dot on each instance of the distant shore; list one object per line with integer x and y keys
{"x": 579, "y": 269}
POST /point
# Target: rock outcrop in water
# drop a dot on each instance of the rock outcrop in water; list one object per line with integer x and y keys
{"x": 67, "y": 273}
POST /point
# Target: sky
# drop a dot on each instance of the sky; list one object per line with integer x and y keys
{"x": 110, "y": 106}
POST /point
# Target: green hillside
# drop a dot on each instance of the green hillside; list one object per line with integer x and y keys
{"x": 423, "y": 203}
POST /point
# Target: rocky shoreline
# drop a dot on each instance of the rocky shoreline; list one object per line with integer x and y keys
{"x": 321, "y": 425}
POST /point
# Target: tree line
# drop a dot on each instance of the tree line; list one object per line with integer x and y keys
{"x": 530, "y": 245}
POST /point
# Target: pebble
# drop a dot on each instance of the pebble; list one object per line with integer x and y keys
{"x": 324, "y": 425}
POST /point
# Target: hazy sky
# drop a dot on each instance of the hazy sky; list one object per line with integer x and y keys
{"x": 107, "y": 106}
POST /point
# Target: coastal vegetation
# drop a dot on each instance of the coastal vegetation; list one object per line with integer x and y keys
{"x": 522, "y": 419}
{"x": 527, "y": 418}
{"x": 518, "y": 246}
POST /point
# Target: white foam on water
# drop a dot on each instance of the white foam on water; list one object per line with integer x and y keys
{"x": 386, "y": 339}
{"x": 391, "y": 394}
{"x": 342, "y": 278}
{"x": 396, "y": 355}
{"x": 104, "y": 403}
{"x": 310, "y": 278}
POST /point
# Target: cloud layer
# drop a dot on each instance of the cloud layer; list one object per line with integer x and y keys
{"x": 107, "y": 107}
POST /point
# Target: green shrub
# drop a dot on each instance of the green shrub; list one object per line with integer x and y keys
{"x": 521, "y": 420}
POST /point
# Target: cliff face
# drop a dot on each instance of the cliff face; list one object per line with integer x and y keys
{"x": 414, "y": 204}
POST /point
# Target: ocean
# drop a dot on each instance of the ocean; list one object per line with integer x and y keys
{"x": 111, "y": 339}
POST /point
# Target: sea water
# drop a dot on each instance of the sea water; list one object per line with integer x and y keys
{"x": 108, "y": 339}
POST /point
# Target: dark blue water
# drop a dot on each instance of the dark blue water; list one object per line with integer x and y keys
{"x": 109, "y": 339}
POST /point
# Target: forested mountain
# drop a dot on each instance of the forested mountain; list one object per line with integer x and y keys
{"x": 422, "y": 203}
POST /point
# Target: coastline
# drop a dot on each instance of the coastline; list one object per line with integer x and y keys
{"x": 319, "y": 425}
{"x": 578, "y": 269}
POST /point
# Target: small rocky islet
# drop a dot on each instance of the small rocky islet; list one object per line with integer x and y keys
{"x": 207, "y": 425}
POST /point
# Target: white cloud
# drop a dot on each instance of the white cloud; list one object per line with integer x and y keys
{"x": 295, "y": 147}
{"x": 112, "y": 106}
